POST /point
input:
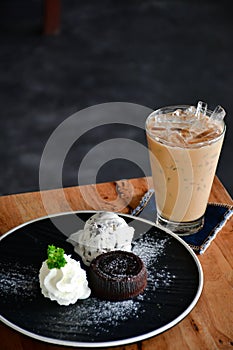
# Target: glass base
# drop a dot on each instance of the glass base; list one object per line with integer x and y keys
{"x": 181, "y": 228}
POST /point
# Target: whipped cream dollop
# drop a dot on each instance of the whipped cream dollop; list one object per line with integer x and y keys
{"x": 102, "y": 233}
{"x": 65, "y": 285}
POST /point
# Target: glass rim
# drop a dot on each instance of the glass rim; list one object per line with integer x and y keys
{"x": 191, "y": 146}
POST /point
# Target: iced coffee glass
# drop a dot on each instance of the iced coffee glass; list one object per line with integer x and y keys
{"x": 184, "y": 145}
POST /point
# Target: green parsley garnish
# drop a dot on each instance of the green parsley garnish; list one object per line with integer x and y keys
{"x": 55, "y": 257}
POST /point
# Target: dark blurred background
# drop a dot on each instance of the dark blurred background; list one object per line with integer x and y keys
{"x": 153, "y": 53}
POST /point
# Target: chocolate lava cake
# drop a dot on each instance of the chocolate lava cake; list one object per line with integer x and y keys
{"x": 117, "y": 275}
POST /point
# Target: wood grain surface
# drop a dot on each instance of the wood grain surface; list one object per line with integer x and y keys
{"x": 209, "y": 326}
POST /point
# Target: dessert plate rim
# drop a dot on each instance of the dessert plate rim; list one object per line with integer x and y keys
{"x": 125, "y": 341}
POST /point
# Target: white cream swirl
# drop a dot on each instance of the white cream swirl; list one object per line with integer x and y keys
{"x": 65, "y": 285}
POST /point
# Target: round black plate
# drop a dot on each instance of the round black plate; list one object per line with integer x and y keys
{"x": 175, "y": 283}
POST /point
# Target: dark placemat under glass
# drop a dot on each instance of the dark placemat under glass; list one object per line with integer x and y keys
{"x": 216, "y": 216}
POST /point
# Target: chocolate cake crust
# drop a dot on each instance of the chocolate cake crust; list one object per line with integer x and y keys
{"x": 117, "y": 275}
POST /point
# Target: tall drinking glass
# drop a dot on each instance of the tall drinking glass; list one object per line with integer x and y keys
{"x": 184, "y": 145}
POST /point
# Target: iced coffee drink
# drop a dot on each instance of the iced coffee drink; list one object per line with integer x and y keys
{"x": 184, "y": 144}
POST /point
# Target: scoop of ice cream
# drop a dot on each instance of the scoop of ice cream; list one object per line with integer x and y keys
{"x": 65, "y": 285}
{"x": 103, "y": 232}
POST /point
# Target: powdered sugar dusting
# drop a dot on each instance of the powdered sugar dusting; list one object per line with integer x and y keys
{"x": 19, "y": 281}
{"x": 150, "y": 250}
{"x": 94, "y": 315}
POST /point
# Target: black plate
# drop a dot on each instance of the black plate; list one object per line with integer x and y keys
{"x": 175, "y": 283}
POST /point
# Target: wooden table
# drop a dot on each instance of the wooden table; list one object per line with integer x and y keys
{"x": 210, "y": 324}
